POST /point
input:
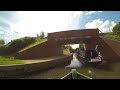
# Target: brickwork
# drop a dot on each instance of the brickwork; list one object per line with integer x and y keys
{"x": 73, "y": 33}
{"x": 109, "y": 49}
{"x": 46, "y": 49}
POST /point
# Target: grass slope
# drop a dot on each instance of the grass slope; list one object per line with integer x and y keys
{"x": 8, "y": 60}
{"x": 66, "y": 52}
{"x": 112, "y": 36}
{"x": 34, "y": 44}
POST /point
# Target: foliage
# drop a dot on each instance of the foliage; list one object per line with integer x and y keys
{"x": 81, "y": 46}
{"x": 2, "y": 42}
{"x": 40, "y": 36}
{"x": 33, "y": 44}
{"x": 66, "y": 51}
{"x": 7, "y": 60}
{"x": 68, "y": 47}
{"x": 116, "y": 28}
{"x": 16, "y": 45}
{"x": 112, "y": 36}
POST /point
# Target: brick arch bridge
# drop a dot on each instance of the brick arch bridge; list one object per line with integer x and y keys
{"x": 52, "y": 47}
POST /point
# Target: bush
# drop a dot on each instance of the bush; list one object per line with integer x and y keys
{"x": 112, "y": 36}
{"x": 2, "y": 50}
{"x": 116, "y": 28}
{"x": 16, "y": 45}
{"x": 2, "y": 42}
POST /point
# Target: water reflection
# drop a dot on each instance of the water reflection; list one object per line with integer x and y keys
{"x": 75, "y": 63}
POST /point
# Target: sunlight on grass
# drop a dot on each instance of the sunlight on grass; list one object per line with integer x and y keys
{"x": 6, "y": 60}
{"x": 66, "y": 52}
{"x": 34, "y": 44}
{"x": 112, "y": 36}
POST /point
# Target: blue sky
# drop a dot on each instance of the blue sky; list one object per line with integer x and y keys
{"x": 16, "y": 24}
{"x": 105, "y": 15}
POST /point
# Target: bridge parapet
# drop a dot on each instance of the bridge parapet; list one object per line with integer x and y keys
{"x": 73, "y": 33}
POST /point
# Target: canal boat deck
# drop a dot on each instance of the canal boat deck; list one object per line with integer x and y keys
{"x": 79, "y": 76}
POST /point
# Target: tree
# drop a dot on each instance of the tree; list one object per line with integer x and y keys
{"x": 68, "y": 47}
{"x": 2, "y": 42}
{"x": 116, "y": 28}
{"x": 17, "y": 44}
{"x": 42, "y": 35}
{"x": 38, "y": 37}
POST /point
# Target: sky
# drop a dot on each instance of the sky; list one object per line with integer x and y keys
{"x": 17, "y": 24}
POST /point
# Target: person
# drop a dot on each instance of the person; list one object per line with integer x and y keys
{"x": 96, "y": 49}
{"x": 82, "y": 52}
{"x": 77, "y": 51}
{"x": 93, "y": 53}
{"x": 87, "y": 48}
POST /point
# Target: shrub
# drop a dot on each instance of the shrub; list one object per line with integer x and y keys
{"x": 116, "y": 28}
{"x": 16, "y": 45}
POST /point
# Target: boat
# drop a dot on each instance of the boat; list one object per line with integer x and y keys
{"x": 90, "y": 61}
{"x": 75, "y": 75}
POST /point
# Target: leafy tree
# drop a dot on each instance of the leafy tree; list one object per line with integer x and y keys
{"x": 37, "y": 36}
{"x": 42, "y": 35}
{"x": 17, "y": 44}
{"x": 2, "y": 42}
{"x": 68, "y": 47}
{"x": 81, "y": 46}
{"x": 116, "y": 28}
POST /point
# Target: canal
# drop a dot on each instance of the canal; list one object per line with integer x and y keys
{"x": 75, "y": 63}
{"x": 110, "y": 71}
{"x": 55, "y": 73}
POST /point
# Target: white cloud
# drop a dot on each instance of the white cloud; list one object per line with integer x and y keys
{"x": 91, "y": 12}
{"x": 77, "y": 14}
{"x": 104, "y": 26}
{"x": 107, "y": 26}
{"x": 33, "y": 22}
{"x": 29, "y": 23}
{"x": 100, "y": 11}
{"x": 7, "y": 18}
{"x": 94, "y": 24}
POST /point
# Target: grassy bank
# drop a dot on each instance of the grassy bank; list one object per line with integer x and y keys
{"x": 8, "y": 60}
{"x": 112, "y": 36}
{"x": 33, "y": 44}
{"x": 66, "y": 52}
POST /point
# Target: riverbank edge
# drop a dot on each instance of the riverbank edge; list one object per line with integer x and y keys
{"x": 8, "y": 71}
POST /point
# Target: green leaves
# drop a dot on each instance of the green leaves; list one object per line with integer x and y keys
{"x": 112, "y": 36}
{"x": 40, "y": 36}
{"x": 16, "y": 45}
{"x": 2, "y": 42}
{"x": 116, "y": 29}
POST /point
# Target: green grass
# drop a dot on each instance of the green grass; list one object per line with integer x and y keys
{"x": 34, "y": 44}
{"x": 9, "y": 60}
{"x": 66, "y": 52}
{"x": 112, "y": 36}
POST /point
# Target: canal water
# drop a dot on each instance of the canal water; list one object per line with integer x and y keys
{"x": 55, "y": 73}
